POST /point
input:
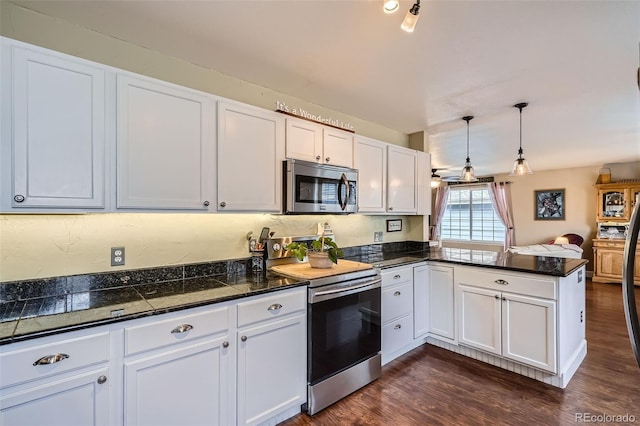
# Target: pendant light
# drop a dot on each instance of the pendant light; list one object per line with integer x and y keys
{"x": 411, "y": 18}
{"x": 520, "y": 166}
{"x": 468, "y": 175}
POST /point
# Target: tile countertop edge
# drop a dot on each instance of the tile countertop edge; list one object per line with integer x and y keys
{"x": 149, "y": 313}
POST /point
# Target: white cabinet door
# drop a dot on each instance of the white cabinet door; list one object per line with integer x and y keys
{"x": 441, "y": 303}
{"x": 479, "y": 318}
{"x": 251, "y": 144}
{"x": 58, "y": 119}
{"x": 401, "y": 180}
{"x": 370, "y": 158}
{"x": 337, "y": 147}
{"x": 165, "y": 155}
{"x": 529, "y": 331}
{"x": 184, "y": 386}
{"x": 272, "y": 365}
{"x": 304, "y": 140}
{"x": 423, "y": 183}
{"x": 73, "y": 400}
{"x": 420, "y": 301}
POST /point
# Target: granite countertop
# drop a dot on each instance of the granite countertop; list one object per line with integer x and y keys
{"x": 61, "y": 309}
{"x": 31, "y": 309}
{"x": 542, "y": 265}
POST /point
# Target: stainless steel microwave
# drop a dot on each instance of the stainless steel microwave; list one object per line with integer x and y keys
{"x": 312, "y": 188}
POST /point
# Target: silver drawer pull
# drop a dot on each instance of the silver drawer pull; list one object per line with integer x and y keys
{"x": 397, "y": 293}
{"x": 274, "y": 307}
{"x": 51, "y": 359}
{"x": 182, "y": 328}
{"x": 501, "y": 282}
{"x": 395, "y": 277}
{"x": 397, "y": 327}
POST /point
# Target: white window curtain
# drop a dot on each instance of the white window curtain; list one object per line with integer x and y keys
{"x": 442, "y": 195}
{"x": 500, "y": 193}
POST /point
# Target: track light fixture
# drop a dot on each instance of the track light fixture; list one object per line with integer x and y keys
{"x": 520, "y": 166}
{"x": 411, "y": 18}
{"x": 390, "y": 6}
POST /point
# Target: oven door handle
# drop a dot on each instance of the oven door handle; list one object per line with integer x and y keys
{"x": 343, "y": 291}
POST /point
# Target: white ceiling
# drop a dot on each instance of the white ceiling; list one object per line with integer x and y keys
{"x": 575, "y": 62}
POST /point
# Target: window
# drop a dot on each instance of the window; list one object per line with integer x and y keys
{"x": 469, "y": 216}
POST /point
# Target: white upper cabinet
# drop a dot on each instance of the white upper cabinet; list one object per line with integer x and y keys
{"x": 423, "y": 183}
{"x": 251, "y": 149}
{"x": 313, "y": 142}
{"x": 370, "y": 158}
{"x": 337, "y": 147}
{"x": 56, "y": 123}
{"x": 165, "y": 148}
{"x": 402, "y": 193}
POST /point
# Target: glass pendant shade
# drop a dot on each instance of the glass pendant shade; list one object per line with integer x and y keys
{"x": 520, "y": 167}
{"x": 468, "y": 174}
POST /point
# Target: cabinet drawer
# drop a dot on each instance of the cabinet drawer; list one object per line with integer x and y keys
{"x": 541, "y": 286}
{"x": 610, "y": 244}
{"x": 396, "y": 276}
{"x": 397, "y": 334}
{"x": 178, "y": 329}
{"x": 269, "y": 307}
{"x": 18, "y": 366}
{"x": 397, "y": 301}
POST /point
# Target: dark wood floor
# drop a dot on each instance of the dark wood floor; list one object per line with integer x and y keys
{"x": 429, "y": 385}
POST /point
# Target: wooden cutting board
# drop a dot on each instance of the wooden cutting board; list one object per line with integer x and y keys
{"x": 306, "y": 272}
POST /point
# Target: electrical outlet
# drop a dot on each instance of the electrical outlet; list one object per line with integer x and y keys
{"x": 117, "y": 256}
{"x": 377, "y": 237}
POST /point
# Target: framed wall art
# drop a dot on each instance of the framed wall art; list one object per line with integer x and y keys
{"x": 549, "y": 204}
{"x": 394, "y": 225}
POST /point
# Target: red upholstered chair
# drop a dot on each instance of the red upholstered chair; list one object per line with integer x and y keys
{"x": 573, "y": 239}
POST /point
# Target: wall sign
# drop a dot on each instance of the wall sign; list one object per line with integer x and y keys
{"x": 328, "y": 121}
{"x": 394, "y": 225}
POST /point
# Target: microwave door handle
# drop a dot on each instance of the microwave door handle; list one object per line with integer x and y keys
{"x": 343, "y": 200}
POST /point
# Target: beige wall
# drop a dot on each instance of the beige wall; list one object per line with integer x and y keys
{"x": 580, "y": 199}
{"x": 36, "y": 246}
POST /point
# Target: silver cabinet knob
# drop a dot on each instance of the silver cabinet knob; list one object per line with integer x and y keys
{"x": 501, "y": 282}
{"x": 225, "y": 344}
{"x": 318, "y": 157}
{"x": 397, "y": 293}
{"x": 223, "y": 204}
{"x": 390, "y": 208}
{"x": 51, "y": 359}
{"x": 102, "y": 380}
{"x": 182, "y": 328}
{"x": 327, "y": 159}
{"x": 18, "y": 198}
{"x": 274, "y": 307}
{"x": 243, "y": 338}
{"x": 397, "y": 327}
{"x": 396, "y": 276}
{"x": 206, "y": 204}
{"x": 276, "y": 247}
{"x": 496, "y": 296}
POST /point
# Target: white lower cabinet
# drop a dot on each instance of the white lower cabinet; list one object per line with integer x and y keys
{"x": 518, "y": 327}
{"x": 224, "y": 364}
{"x": 272, "y": 360}
{"x": 441, "y": 299}
{"x": 63, "y": 380}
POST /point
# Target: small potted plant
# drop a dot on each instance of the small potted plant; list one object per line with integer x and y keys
{"x": 323, "y": 253}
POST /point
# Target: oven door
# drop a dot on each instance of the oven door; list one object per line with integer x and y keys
{"x": 344, "y": 327}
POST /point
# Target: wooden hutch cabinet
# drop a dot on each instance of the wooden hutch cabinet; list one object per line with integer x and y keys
{"x": 614, "y": 205}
